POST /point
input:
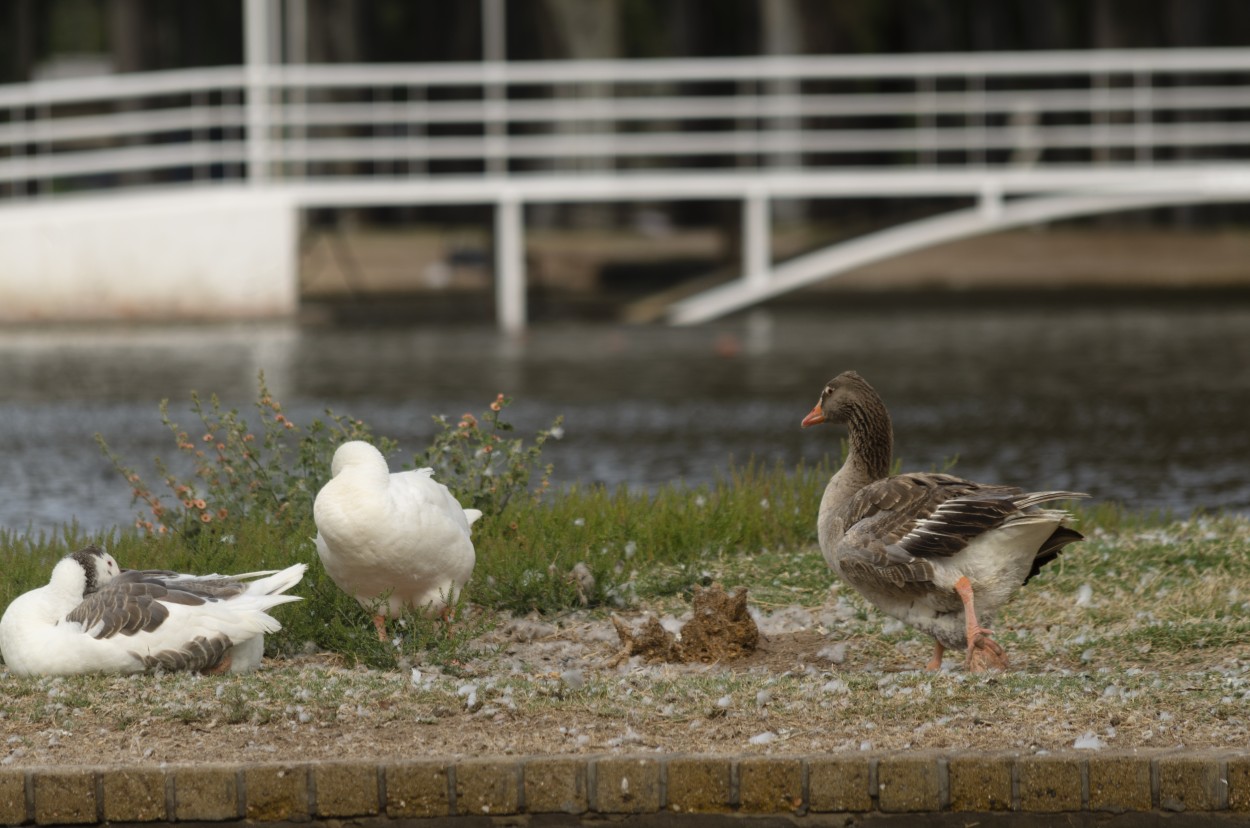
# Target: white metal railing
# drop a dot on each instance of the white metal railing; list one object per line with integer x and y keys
{"x": 327, "y": 122}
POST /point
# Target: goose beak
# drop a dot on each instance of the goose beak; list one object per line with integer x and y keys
{"x": 815, "y": 417}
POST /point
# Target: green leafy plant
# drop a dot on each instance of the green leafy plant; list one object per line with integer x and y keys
{"x": 271, "y": 473}
{"x": 482, "y": 464}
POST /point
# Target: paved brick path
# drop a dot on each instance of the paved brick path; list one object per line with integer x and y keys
{"x": 1192, "y": 787}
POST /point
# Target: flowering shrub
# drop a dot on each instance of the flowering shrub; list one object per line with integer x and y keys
{"x": 273, "y": 472}
{"x": 483, "y": 468}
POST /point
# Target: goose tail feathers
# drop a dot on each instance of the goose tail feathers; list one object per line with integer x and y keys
{"x": 279, "y": 582}
{"x": 1034, "y": 498}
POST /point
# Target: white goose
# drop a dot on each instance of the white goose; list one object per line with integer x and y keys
{"x": 391, "y": 541}
{"x": 93, "y": 617}
{"x": 935, "y": 551}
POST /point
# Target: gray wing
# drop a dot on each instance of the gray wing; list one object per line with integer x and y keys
{"x": 898, "y": 527}
{"x": 135, "y": 601}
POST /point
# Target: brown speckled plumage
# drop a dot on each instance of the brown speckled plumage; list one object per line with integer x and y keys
{"x": 924, "y": 547}
{"x": 200, "y": 654}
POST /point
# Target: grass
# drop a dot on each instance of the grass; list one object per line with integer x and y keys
{"x": 636, "y": 545}
{"x": 1158, "y": 585}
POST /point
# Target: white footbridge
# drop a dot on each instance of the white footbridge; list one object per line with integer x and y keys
{"x": 178, "y": 192}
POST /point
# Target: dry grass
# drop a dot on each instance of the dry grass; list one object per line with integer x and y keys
{"x": 1154, "y": 654}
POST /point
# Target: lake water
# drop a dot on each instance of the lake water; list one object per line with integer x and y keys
{"x": 1141, "y": 400}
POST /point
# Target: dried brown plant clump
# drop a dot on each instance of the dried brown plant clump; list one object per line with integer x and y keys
{"x": 720, "y": 630}
{"x": 652, "y": 642}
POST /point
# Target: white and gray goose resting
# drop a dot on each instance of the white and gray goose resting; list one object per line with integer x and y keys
{"x": 937, "y": 552}
{"x": 94, "y": 617}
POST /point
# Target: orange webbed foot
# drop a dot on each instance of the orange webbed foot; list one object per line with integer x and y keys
{"x": 984, "y": 653}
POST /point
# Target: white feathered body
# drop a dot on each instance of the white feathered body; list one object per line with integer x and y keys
{"x": 37, "y": 638}
{"x": 392, "y": 541}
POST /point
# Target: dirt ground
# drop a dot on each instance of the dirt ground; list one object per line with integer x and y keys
{"x": 543, "y": 687}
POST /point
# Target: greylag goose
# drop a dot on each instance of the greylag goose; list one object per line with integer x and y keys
{"x": 391, "y": 541}
{"x": 93, "y": 617}
{"x": 937, "y": 552}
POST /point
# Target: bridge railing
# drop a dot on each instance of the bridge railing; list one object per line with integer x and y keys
{"x": 526, "y": 120}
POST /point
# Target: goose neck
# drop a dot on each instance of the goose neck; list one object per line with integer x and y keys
{"x": 871, "y": 442}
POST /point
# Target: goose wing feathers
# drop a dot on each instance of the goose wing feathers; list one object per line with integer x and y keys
{"x": 898, "y": 527}
{"x": 137, "y": 600}
{"x": 418, "y": 488}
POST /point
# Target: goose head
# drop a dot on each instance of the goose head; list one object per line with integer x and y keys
{"x": 357, "y": 454}
{"x": 85, "y": 571}
{"x": 841, "y": 398}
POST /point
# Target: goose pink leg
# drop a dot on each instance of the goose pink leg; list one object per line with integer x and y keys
{"x": 935, "y": 663}
{"x": 984, "y": 653}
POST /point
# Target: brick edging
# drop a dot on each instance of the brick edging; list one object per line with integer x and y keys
{"x": 919, "y": 782}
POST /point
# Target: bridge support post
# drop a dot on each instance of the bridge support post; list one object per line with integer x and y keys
{"x": 990, "y": 202}
{"x": 257, "y": 42}
{"x": 757, "y": 254}
{"x": 510, "y": 266}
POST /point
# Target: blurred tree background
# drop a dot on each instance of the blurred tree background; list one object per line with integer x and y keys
{"x": 40, "y": 36}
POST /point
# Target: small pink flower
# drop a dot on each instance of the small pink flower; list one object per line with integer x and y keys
{"x": 206, "y": 518}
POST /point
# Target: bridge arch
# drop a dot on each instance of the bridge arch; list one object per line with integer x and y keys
{"x": 991, "y": 215}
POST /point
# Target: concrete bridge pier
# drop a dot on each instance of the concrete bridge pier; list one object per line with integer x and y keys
{"x": 225, "y": 253}
{"x": 510, "y": 310}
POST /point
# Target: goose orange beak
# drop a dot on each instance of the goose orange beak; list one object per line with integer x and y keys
{"x": 815, "y": 417}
